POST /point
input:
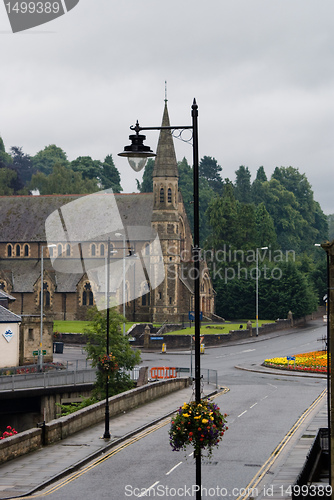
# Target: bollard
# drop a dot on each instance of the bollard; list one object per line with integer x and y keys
{"x": 164, "y": 348}
{"x": 202, "y": 348}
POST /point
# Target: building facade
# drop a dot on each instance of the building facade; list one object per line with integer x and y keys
{"x": 69, "y": 287}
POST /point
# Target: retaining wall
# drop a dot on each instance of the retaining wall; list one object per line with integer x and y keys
{"x": 58, "y": 429}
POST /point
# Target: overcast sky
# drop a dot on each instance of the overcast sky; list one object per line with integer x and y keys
{"x": 261, "y": 70}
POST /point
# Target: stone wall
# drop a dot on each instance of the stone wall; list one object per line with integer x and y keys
{"x": 60, "y": 428}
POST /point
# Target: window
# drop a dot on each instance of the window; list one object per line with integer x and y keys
{"x": 60, "y": 249}
{"x": 93, "y": 249}
{"x": 162, "y": 195}
{"x": 46, "y": 295}
{"x": 68, "y": 250}
{"x": 26, "y": 250}
{"x": 102, "y": 250}
{"x": 147, "y": 249}
{"x": 2, "y": 286}
{"x": 31, "y": 334}
{"x": 18, "y": 250}
{"x": 9, "y": 250}
{"x": 87, "y": 295}
{"x": 170, "y": 300}
{"x": 169, "y": 195}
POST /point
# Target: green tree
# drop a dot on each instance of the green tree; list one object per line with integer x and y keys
{"x": 242, "y": 189}
{"x": 257, "y": 186}
{"x": 22, "y": 164}
{"x": 126, "y": 357}
{"x": 222, "y": 216}
{"x": 146, "y": 185}
{"x": 5, "y": 158}
{"x": 62, "y": 180}
{"x": 210, "y": 170}
{"x": 44, "y": 160}
{"x": 265, "y": 229}
{"x": 330, "y": 227}
{"x": 88, "y": 168}
{"x": 110, "y": 176}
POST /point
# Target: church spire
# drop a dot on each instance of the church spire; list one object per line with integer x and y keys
{"x": 165, "y": 163}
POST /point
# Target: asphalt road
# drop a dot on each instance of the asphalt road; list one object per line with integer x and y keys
{"x": 261, "y": 408}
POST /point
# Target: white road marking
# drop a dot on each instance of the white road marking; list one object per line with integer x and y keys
{"x": 242, "y": 413}
{"x": 143, "y": 494}
{"x": 173, "y": 468}
{"x": 253, "y": 405}
{"x": 248, "y": 350}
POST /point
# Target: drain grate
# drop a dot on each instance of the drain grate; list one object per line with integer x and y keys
{"x": 209, "y": 462}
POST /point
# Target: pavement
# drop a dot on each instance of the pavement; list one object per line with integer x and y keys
{"x": 25, "y": 475}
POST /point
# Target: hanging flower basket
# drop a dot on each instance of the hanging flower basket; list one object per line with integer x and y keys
{"x": 107, "y": 364}
{"x": 199, "y": 425}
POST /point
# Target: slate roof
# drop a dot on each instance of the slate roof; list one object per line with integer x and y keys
{"x": 7, "y": 316}
{"x": 22, "y": 218}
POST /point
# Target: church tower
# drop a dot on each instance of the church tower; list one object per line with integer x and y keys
{"x": 165, "y": 221}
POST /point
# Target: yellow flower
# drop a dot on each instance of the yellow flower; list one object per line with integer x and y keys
{"x": 198, "y": 416}
{"x": 205, "y": 421}
{"x": 185, "y": 415}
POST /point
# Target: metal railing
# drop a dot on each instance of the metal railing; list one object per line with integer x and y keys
{"x": 47, "y": 379}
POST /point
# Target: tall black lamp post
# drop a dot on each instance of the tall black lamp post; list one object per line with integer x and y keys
{"x": 106, "y": 434}
{"x": 137, "y": 154}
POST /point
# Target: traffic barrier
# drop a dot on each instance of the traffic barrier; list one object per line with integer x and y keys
{"x": 162, "y": 372}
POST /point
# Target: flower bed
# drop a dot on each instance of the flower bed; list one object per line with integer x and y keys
{"x": 314, "y": 362}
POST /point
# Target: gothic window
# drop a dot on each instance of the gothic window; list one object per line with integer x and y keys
{"x": 169, "y": 195}
{"x": 147, "y": 249}
{"x": 46, "y": 295}
{"x": 162, "y": 195}
{"x": 9, "y": 250}
{"x": 26, "y": 250}
{"x": 60, "y": 249}
{"x": 18, "y": 250}
{"x": 93, "y": 249}
{"x": 170, "y": 300}
{"x": 30, "y": 334}
{"x": 68, "y": 250}
{"x": 87, "y": 295}
{"x": 50, "y": 249}
{"x": 102, "y": 250}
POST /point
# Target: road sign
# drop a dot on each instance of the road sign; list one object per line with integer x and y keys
{"x": 156, "y": 338}
{"x": 35, "y": 353}
{"x": 291, "y": 358}
{"x": 191, "y": 316}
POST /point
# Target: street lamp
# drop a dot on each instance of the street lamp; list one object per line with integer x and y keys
{"x": 257, "y": 288}
{"x": 137, "y": 154}
{"x": 106, "y": 434}
{"x": 119, "y": 235}
{"x": 40, "y": 350}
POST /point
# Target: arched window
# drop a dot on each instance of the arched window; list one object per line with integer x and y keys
{"x": 147, "y": 249}
{"x": 26, "y": 250}
{"x": 68, "y": 250}
{"x": 60, "y": 249}
{"x": 102, "y": 250}
{"x": 87, "y": 295}
{"x": 9, "y": 250}
{"x": 46, "y": 295}
{"x": 93, "y": 250}
{"x": 18, "y": 250}
{"x": 169, "y": 195}
{"x": 162, "y": 195}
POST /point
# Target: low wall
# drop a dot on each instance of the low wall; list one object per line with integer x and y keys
{"x": 60, "y": 428}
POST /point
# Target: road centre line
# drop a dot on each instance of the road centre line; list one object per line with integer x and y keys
{"x": 144, "y": 493}
{"x": 173, "y": 468}
{"x": 253, "y": 405}
{"x": 242, "y": 413}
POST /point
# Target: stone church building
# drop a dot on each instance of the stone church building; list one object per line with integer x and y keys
{"x": 67, "y": 291}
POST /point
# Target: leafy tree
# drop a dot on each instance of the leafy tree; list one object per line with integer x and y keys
{"x": 110, "y": 176}
{"x": 222, "y": 216}
{"x": 62, "y": 180}
{"x": 146, "y": 185}
{"x": 8, "y": 178}
{"x": 125, "y": 357}
{"x": 331, "y": 227}
{"x": 265, "y": 229}
{"x": 257, "y": 186}
{"x": 210, "y": 170}
{"x": 44, "y": 160}
{"x": 22, "y": 164}
{"x": 88, "y": 168}
{"x": 242, "y": 191}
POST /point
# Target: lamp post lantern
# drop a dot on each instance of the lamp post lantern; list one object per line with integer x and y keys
{"x": 257, "y": 288}
{"x": 40, "y": 349}
{"x": 137, "y": 154}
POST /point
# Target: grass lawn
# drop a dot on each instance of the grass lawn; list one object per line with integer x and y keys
{"x": 217, "y": 329}
{"x": 78, "y": 326}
